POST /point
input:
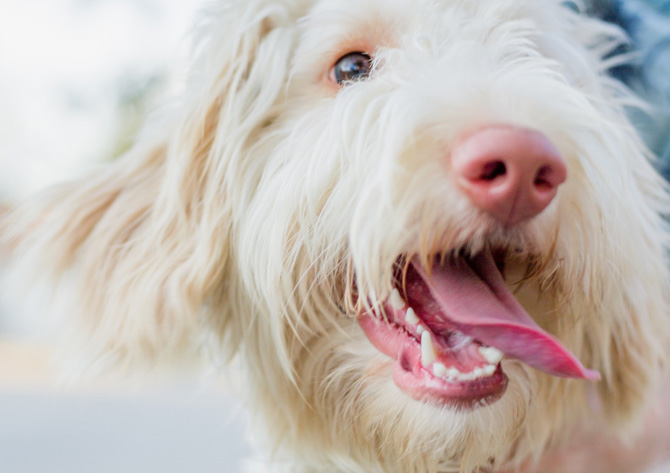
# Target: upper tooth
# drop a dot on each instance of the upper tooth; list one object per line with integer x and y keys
{"x": 410, "y": 317}
{"x": 490, "y": 354}
{"x": 428, "y": 354}
{"x": 397, "y": 302}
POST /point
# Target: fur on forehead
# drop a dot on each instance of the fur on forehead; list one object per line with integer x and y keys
{"x": 331, "y": 27}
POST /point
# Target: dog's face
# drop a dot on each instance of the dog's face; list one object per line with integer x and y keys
{"x": 360, "y": 212}
{"x": 373, "y": 203}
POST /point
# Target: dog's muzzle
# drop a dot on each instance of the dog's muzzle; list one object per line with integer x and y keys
{"x": 450, "y": 321}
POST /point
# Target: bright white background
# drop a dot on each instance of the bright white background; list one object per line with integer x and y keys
{"x": 67, "y": 68}
{"x": 76, "y": 76}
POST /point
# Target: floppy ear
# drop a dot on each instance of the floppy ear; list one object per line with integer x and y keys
{"x": 146, "y": 239}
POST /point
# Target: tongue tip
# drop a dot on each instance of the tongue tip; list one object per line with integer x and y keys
{"x": 497, "y": 319}
{"x": 576, "y": 371}
{"x": 591, "y": 375}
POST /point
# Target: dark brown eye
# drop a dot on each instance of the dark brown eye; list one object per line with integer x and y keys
{"x": 353, "y": 66}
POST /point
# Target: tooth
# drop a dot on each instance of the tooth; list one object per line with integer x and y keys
{"x": 465, "y": 377}
{"x": 411, "y": 318}
{"x": 489, "y": 370}
{"x": 478, "y": 373}
{"x": 440, "y": 370}
{"x": 428, "y": 354}
{"x": 490, "y": 354}
{"x": 397, "y": 302}
{"x": 420, "y": 330}
{"x": 453, "y": 372}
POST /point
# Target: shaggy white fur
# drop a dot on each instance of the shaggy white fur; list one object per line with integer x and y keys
{"x": 269, "y": 208}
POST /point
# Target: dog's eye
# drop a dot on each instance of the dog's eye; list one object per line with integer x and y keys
{"x": 353, "y": 66}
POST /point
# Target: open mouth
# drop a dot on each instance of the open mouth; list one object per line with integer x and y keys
{"x": 448, "y": 326}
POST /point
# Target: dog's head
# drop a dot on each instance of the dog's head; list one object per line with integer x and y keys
{"x": 374, "y": 202}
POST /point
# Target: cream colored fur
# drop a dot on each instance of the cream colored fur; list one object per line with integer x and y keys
{"x": 253, "y": 208}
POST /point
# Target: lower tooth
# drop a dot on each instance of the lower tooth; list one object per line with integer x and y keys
{"x": 443, "y": 372}
{"x": 466, "y": 377}
{"x": 490, "y": 354}
{"x": 453, "y": 373}
{"x": 440, "y": 370}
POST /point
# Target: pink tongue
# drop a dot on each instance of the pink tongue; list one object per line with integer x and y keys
{"x": 473, "y": 295}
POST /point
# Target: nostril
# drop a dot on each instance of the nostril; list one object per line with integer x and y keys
{"x": 543, "y": 179}
{"x": 492, "y": 170}
{"x": 549, "y": 177}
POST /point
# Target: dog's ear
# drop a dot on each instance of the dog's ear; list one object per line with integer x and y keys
{"x": 145, "y": 240}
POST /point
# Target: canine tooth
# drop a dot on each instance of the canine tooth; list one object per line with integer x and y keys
{"x": 397, "y": 302}
{"x": 411, "y": 318}
{"x": 490, "y": 354}
{"x": 440, "y": 370}
{"x": 489, "y": 370}
{"x": 428, "y": 354}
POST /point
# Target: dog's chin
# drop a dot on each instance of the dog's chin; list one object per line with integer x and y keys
{"x": 449, "y": 322}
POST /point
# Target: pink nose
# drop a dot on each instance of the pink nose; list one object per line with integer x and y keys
{"x": 511, "y": 173}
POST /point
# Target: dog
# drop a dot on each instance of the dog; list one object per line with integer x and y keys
{"x": 423, "y": 232}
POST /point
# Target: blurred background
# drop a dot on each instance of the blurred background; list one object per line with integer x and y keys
{"x": 76, "y": 79}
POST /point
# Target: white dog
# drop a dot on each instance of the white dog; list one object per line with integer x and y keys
{"x": 424, "y": 228}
